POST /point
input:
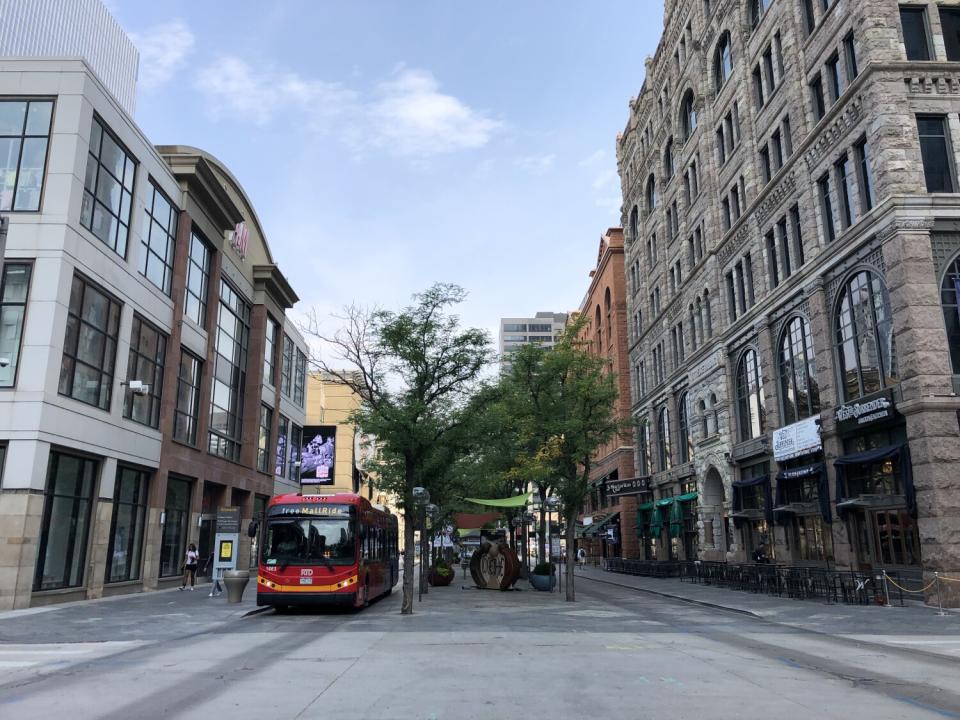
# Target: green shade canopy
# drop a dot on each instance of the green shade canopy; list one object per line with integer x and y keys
{"x": 656, "y": 523}
{"x": 645, "y": 507}
{"x": 687, "y": 497}
{"x": 468, "y": 532}
{"x": 665, "y": 501}
{"x": 510, "y": 502}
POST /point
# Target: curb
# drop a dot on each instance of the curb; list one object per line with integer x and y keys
{"x": 256, "y": 611}
{"x": 691, "y": 601}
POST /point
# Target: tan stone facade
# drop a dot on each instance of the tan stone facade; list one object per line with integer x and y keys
{"x": 787, "y": 266}
{"x": 606, "y": 330}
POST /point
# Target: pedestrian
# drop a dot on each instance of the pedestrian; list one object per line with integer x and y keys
{"x": 190, "y": 566}
{"x": 581, "y": 557}
{"x": 760, "y": 555}
{"x": 216, "y": 573}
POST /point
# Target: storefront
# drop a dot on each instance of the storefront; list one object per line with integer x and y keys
{"x": 753, "y": 512}
{"x": 875, "y": 494}
{"x": 802, "y": 495}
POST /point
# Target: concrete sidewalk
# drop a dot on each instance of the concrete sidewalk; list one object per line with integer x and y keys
{"x": 149, "y": 616}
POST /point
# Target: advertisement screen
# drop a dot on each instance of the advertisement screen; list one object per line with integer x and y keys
{"x": 317, "y": 454}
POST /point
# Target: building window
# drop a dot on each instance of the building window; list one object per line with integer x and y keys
{"x": 723, "y": 62}
{"x": 263, "y": 443}
{"x": 916, "y": 39}
{"x": 108, "y": 189}
{"x": 651, "y": 194}
{"x": 689, "y": 114}
{"x": 286, "y": 367}
{"x": 866, "y": 348}
{"x": 148, "y": 348}
{"x": 765, "y": 164}
{"x": 685, "y": 435}
{"x": 864, "y": 174}
{"x": 176, "y": 520}
{"x": 296, "y": 443}
{"x": 833, "y": 75}
{"x": 270, "y": 351}
{"x": 797, "y": 236}
{"x": 935, "y": 152}
{"x": 198, "y": 279}
{"x": 668, "y": 160}
{"x": 757, "y": 10}
{"x": 68, "y": 498}
{"x": 798, "y": 372}
{"x": 663, "y": 439}
{"x": 784, "y": 241}
{"x": 826, "y": 208}
{"x": 758, "y": 87}
{"x": 950, "y": 26}
{"x": 280, "y": 466}
{"x": 230, "y": 374}
{"x": 850, "y": 57}
{"x": 14, "y": 290}
{"x": 186, "y": 415}
{"x": 24, "y": 137}
{"x": 127, "y": 527}
{"x": 848, "y": 210}
{"x": 750, "y": 400}
{"x": 159, "y": 239}
{"x": 816, "y": 95}
{"x": 643, "y": 445}
{"x": 771, "y": 243}
{"x": 949, "y": 296}
{"x": 300, "y": 378}
{"x": 810, "y": 20}
{"x": 90, "y": 345}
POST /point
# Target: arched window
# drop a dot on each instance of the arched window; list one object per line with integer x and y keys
{"x": 866, "y": 349}
{"x": 643, "y": 445}
{"x": 689, "y": 114}
{"x": 949, "y": 295}
{"x": 723, "y": 62}
{"x": 708, "y": 318}
{"x": 694, "y": 335}
{"x": 704, "y": 416}
{"x": 714, "y": 417}
{"x": 750, "y": 403}
{"x": 599, "y": 329}
{"x": 668, "y": 159}
{"x": 683, "y": 421}
{"x": 798, "y": 372}
{"x": 701, "y": 325}
{"x": 651, "y": 194}
{"x": 634, "y": 223}
{"x": 607, "y": 306}
{"x": 663, "y": 439}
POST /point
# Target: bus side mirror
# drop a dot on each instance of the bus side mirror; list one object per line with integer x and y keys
{"x": 252, "y": 529}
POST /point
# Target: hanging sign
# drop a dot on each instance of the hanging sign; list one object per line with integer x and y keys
{"x": 801, "y": 438}
{"x": 630, "y": 486}
{"x": 240, "y": 239}
{"x": 866, "y": 411}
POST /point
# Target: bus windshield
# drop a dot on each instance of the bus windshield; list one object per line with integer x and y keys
{"x": 309, "y": 541}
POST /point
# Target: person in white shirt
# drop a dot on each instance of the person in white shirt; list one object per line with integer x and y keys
{"x": 190, "y": 566}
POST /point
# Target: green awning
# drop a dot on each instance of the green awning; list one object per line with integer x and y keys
{"x": 468, "y": 532}
{"x": 510, "y": 502}
{"x": 665, "y": 501}
{"x": 687, "y": 498}
{"x": 676, "y": 520}
{"x": 645, "y": 507}
{"x": 656, "y": 523}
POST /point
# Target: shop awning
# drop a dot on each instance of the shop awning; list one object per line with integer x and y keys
{"x": 899, "y": 454}
{"x": 802, "y": 473}
{"x": 510, "y": 502}
{"x": 738, "y": 486}
{"x": 594, "y": 528}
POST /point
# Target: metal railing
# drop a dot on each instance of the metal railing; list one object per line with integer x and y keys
{"x": 791, "y": 581}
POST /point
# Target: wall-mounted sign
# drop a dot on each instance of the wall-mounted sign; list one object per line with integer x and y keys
{"x": 798, "y": 439}
{"x": 630, "y": 486}
{"x": 240, "y": 239}
{"x": 228, "y": 519}
{"x": 865, "y": 412}
{"x": 318, "y": 455}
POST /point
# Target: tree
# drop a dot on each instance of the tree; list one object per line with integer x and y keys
{"x": 564, "y": 401}
{"x": 415, "y": 372}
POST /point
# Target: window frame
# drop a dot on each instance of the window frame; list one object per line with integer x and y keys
{"x": 193, "y": 415}
{"x": 22, "y": 138}
{"x": 126, "y": 189}
{"x": 139, "y": 516}
{"x": 135, "y": 357}
{"x": 202, "y": 301}
{"x": 751, "y": 402}
{"x": 928, "y": 50}
{"x": 170, "y": 239}
{"x": 13, "y": 366}
{"x": 946, "y": 150}
{"x": 788, "y": 370}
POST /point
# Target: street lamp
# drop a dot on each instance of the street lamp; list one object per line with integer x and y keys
{"x": 552, "y": 503}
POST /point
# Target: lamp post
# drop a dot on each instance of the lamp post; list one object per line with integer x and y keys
{"x": 528, "y": 520}
{"x": 552, "y": 503}
{"x": 421, "y": 496}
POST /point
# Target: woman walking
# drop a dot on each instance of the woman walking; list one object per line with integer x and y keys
{"x": 190, "y": 566}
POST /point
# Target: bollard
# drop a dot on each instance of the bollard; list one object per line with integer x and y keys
{"x": 236, "y": 581}
{"x": 936, "y": 577}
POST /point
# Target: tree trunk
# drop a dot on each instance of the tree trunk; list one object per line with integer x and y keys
{"x": 409, "y": 548}
{"x": 542, "y": 535}
{"x": 571, "y": 555}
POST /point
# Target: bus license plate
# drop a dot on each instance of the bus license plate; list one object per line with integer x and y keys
{"x": 306, "y": 581}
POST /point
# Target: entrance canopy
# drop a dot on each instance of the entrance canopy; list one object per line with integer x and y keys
{"x": 511, "y": 502}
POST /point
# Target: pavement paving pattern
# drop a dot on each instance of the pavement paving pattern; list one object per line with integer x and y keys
{"x": 615, "y": 653}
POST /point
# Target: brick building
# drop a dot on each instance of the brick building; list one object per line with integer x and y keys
{"x": 610, "y": 532}
{"x": 789, "y": 176}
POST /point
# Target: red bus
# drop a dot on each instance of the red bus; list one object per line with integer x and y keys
{"x": 336, "y": 549}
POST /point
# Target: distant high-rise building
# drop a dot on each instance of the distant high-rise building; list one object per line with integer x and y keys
{"x": 544, "y": 329}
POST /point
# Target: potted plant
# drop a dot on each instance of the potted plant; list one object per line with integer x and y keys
{"x": 542, "y": 577}
{"x": 440, "y": 574}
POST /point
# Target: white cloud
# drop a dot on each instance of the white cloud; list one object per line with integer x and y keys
{"x": 236, "y": 90}
{"x": 406, "y": 115}
{"x": 412, "y": 117}
{"x": 593, "y": 159}
{"x": 536, "y": 164}
{"x": 163, "y": 51}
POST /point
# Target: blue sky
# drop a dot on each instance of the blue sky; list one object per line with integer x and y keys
{"x": 388, "y": 145}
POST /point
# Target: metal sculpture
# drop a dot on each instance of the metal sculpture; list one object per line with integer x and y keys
{"x": 494, "y": 565}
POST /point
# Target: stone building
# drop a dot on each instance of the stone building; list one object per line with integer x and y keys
{"x": 789, "y": 176}
{"x": 611, "y": 505}
{"x": 147, "y": 362}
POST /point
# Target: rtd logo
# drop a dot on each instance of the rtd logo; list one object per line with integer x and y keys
{"x": 306, "y": 572}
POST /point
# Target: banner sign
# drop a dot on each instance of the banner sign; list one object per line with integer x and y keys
{"x": 317, "y": 455}
{"x": 630, "y": 486}
{"x": 866, "y": 412}
{"x": 228, "y": 520}
{"x": 801, "y": 438}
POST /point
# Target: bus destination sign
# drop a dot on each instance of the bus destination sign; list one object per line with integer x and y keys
{"x": 309, "y": 509}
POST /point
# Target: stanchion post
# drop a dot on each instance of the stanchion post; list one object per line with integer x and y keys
{"x": 886, "y": 590}
{"x": 936, "y": 577}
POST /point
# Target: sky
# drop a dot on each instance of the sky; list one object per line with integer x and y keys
{"x": 388, "y": 145}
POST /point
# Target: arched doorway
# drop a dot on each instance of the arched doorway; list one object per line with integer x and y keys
{"x": 714, "y": 523}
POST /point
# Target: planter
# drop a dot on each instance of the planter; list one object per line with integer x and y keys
{"x": 438, "y": 580}
{"x": 543, "y": 582}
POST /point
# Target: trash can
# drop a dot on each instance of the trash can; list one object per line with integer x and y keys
{"x": 236, "y": 582}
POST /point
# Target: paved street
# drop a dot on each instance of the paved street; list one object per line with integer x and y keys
{"x": 618, "y": 652}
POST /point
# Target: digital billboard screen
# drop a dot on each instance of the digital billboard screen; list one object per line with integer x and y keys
{"x": 317, "y": 454}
